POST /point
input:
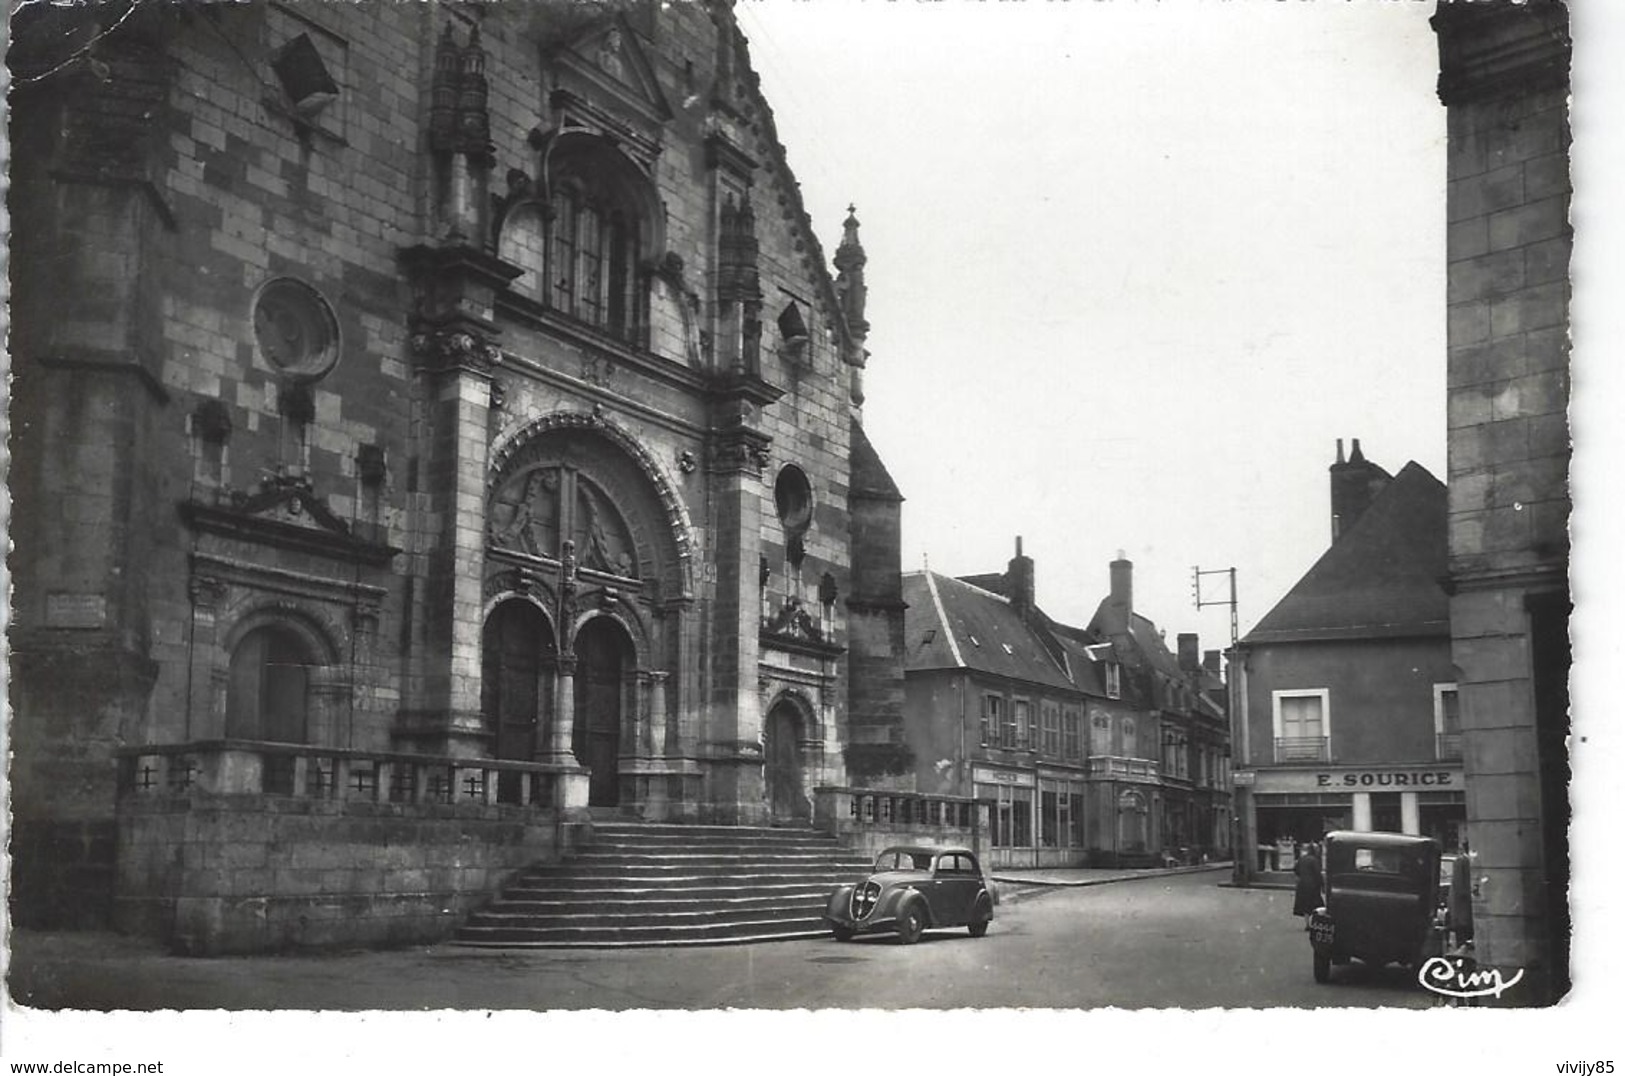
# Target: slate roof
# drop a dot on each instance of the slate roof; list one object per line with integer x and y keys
{"x": 1380, "y": 578}
{"x": 952, "y": 624}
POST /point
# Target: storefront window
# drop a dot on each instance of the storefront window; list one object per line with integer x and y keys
{"x": 1021, "y": 819}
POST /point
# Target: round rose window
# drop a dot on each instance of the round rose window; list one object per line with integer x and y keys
{"x": 295, "y": 329}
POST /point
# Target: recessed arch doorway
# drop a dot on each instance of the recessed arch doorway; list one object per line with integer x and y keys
{"x": 604, "y": 654}
{"x": 784, "y": 763}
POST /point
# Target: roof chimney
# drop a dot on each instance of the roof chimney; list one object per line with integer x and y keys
{"x": 1356, "y": 482}
{"x": 1190, "y": 652}
{"x": 1123, "y": 585}
{"x": 1210, "y": 661}
{"x": 1018, "y": 581}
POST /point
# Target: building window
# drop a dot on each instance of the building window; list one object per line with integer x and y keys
{"x": 1100, "y": 734}
{"x": 1302, "y": 725}
{"x": 1049, "y": 826}
{"x": 1071, "y": 734}
{"x": 1131, "y": 740}
{"x": 594, "y": 251}
{"x": 992, "y": 719}
{"x": 1015, "y": 721}
{"x": 1114, "y": 680}
{"x": 1050, "y": 742}
{"x": 1446, "y": 722}
{"x": 1075, "y": 837}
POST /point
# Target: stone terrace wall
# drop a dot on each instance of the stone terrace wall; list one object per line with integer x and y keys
{"x": 245, "y": 874}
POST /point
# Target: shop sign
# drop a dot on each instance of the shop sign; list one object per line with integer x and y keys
{"x": 1410, "y": 779}
{"x": 1243, "y": 778}
{"x": 1387, "y": 779}
{"x": 1001, "y": 777}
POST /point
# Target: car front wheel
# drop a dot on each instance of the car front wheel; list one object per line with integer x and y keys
{"x": 910, "y": 925}
{"x": 842, "y": 934}
{"x": 978, "y": 928}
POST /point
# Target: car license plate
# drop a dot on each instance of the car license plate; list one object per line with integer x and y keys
{"x": 1321, "y": 930}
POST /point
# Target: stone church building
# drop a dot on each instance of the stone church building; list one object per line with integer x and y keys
{"x": 422, "y": 405}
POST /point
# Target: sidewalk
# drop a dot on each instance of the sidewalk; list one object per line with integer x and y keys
{"x": 1016, "y": 883}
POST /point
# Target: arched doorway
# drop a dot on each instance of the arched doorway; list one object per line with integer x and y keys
{"x": 603, "y": 654}
{"x": 516, "y": 676}
{"x": 268, "y": 697}
{"x": 784, "y": 769}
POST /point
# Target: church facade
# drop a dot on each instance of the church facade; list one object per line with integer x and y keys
{"x": 455, "y": 381}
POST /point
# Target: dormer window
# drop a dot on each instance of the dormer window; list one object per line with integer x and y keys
{"x": 1114, "y": 680}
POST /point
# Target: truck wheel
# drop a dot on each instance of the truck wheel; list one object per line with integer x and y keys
{"x": 1323, "y": 966}
{"x": 910, "y": 925}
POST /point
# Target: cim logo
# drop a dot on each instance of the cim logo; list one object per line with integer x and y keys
{"x": 1454, "y": 977}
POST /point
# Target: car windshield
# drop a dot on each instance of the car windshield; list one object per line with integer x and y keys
{"x": 893, "y": 859}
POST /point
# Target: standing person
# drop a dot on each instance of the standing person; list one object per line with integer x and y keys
{"x": 1307, "y": 898}
{"x": 1460, "y": 909}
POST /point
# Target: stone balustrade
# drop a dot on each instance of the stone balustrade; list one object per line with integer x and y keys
{"x": 871, "y": 819}
{"x": 1121, "y": 768}
{"x": 310, "y": 771}
{"x": 237, "y": 846}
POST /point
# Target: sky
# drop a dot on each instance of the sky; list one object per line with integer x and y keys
{"x": 1133, "y": 269}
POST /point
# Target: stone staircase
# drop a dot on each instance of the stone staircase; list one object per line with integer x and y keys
{"x": 648, "y": 884}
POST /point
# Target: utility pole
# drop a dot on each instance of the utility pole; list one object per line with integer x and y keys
{"x": 1241, "y": 840}
{"x": 1197, "y": 574}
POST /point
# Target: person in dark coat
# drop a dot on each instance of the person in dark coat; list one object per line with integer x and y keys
{"x": 1307, "y": 898}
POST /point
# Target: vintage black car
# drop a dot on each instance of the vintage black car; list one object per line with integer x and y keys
{"x": 1382, "y": 901}
{"x": 911, "y": 890}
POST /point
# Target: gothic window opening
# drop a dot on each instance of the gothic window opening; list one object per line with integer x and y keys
{"x": 793, "y": 502}
{"x": 592, "y": 260}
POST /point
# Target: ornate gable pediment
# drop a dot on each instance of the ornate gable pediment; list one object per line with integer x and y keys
{"x": 603, "y": 79}
{"x": 285, "y": 512}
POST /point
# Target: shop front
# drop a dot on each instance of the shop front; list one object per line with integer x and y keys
{"x": 1037, "y": 817}
{"x": 1301, "y": 805}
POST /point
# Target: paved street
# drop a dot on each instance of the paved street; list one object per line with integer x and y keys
{"x": 1173, "y": 942}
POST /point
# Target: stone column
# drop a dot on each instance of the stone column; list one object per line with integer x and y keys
{"x": 561, "y": 748}
{"x": 1362, "y": 811}
{"x": 1410, "y": 815}
{"x": 659, "y": 715}
{"x": 734, "y": 746}
{"x": 453, "y": 344}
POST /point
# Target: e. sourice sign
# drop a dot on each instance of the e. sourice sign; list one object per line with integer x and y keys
{"x": 1387, "y": 779}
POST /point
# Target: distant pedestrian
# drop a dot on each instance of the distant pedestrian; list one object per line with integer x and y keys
{"x": 1307, "y": 898}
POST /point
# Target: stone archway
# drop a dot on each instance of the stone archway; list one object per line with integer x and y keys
{"x": 518, "y": 668}
{"x": 784, "y": 764}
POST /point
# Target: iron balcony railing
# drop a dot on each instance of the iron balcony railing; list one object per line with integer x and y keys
{"x": 1302, "y": 749}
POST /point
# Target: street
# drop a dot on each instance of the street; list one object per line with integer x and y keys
{"x": 1173, "y": 942}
